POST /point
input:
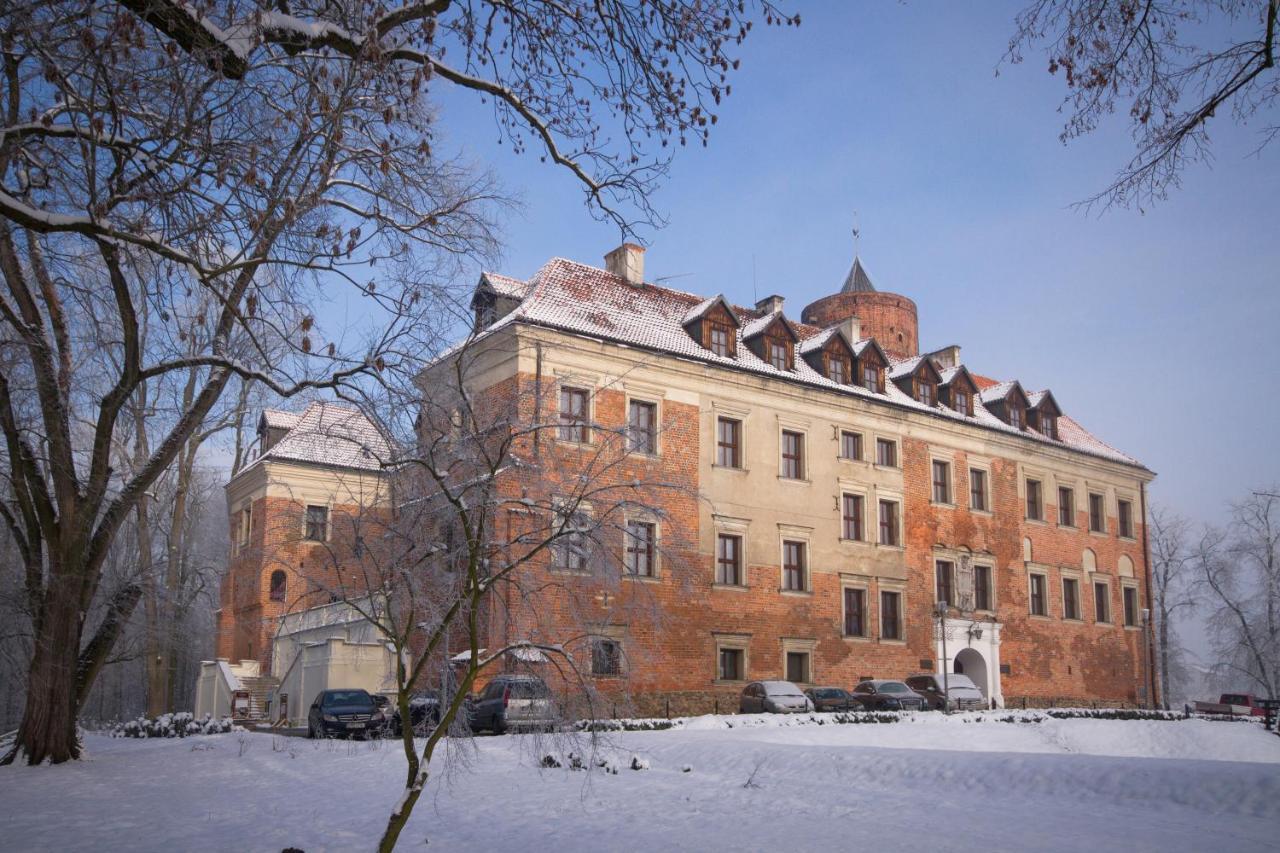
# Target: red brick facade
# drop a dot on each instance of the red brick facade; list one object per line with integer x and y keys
{"x": 887, "y": 317}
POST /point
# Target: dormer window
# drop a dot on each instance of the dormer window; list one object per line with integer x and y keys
{"x": 961, "y": 398}
{"x": 871, "y": 377}
{"x": 924, "y": 392}
{"x": 720, "y": 339}
{"x": 837, "y": 369}
{"x": 1049, "y": 426}
{"x": 779, "y": 353}
{"x": 1015, "y": 417}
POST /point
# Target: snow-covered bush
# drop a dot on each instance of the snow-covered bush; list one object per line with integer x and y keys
{"x": 180, "y": 724}
{"x": 638, "y": 763}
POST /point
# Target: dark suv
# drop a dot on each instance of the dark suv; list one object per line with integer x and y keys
{"x": 513, "y": 702}
{"x": 343, "y": 712}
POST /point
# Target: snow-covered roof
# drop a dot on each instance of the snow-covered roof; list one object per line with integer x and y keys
{"x": 279, "y": 419}
{"x": 998, "y": 392}
{"x": 332, "y": 434}
{"x": 759, "y": 324}
{"x": 580, "y": 299}
{"x": 505, "y": 285}
{"x": 821, "y": 339}
{"x": 697, "y": 311}
{"x": 905, "y": 367}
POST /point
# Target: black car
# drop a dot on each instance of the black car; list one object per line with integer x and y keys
{"x": 884, "y": 695}
{"x": 832, "y": 699}
{"x": 343, "y": 712}
{"x": 424, "y": 714}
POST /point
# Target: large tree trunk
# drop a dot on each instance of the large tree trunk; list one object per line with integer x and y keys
{"x": 48, "y": 730}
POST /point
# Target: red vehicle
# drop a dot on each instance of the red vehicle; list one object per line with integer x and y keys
{"x": 1235, "y": 704}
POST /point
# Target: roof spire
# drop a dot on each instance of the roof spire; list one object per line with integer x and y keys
{"x": 857, "y": 281}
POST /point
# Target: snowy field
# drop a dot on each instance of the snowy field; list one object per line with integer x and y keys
{"x": 929, "y": 783}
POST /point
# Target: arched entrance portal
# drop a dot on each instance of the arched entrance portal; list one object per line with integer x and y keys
{"x": 970, "y": 662}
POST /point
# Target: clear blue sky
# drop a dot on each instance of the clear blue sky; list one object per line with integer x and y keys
{"x": 1156, "y": 330}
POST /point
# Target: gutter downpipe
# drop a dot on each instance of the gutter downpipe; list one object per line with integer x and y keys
{"x": 1147, "y": 632}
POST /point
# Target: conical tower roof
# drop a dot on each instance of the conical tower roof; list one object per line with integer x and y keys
{"x": 857, "y": 281}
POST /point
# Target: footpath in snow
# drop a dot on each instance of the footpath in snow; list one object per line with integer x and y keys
{"x": 961, "y": 783}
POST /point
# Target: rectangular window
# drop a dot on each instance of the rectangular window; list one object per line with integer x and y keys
{"x": 982, "y": 587}
{"x": 729, "y": 559}
{"x": 850, "y": 445}
{"x": 1066, "y": 507}
{"x": 573, "y": 414}
{"x": 728, "y": 443}
{"x": 1101, "y": 602}
{"x": 941, "y": 482}
{"x": 851, "y": 517}
{"x": 798, "y": 667}
{"x": 946, "y": 571}
{"x": 246, "y": 526}
{"x": 640, "y": 542}
{"x": 317, "y": 523}
{"x": 1124, "y": 509}
{"x": 793, "y": 566}
{"x": 978, "y": 489}
{"x": 1038, "y": 603}
{"x": 606, "y": 657}
{"x": 891, "y": 615}
{"x": 926, "y": 393}
{"x": 1035, "y": 506}
{"x": 1049, "y": 426}
{"x": 779, "y": 354}
{"x": 718, "y": 340}
{"x": 1130, "y": 606}
{"x": 642, "y": 426}
{"x": 792, "y": 455}
{"x": 837, "y": 369}
{"x": 1070, "y": 598}
{"x": 855, "y": 613}
{"x": 961, "y": 398}
{"x": 1097, "y": 514}
{"x": 732, "y": 665}
{"x": 871, "y": 377}
{"x": 1015, "y": 417}
{"x": 886, "y": 453}
{"x": 888, "y": 522}
{"x": 569, "y": 551}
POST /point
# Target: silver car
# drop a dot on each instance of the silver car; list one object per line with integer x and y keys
{"x": 962, "y": 693}
{"x": 773, "y": 697}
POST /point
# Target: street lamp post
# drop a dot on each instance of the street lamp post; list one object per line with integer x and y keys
{"x": 941, "y": 609}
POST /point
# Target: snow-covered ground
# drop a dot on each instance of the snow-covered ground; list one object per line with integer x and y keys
{"x": 929, "y": 783}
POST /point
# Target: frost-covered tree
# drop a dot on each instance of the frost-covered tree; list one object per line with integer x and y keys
{"x": 231, "y": 165}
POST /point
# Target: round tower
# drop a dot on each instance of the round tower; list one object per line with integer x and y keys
{"x": 887, "y": 317}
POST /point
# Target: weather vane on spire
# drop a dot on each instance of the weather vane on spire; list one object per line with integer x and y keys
{"x": 857, "y": 233}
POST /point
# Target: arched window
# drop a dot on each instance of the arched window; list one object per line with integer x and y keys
{"x": 277, "y": 585}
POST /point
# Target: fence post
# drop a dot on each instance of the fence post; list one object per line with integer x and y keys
{"x": 715, "y": 705}
{"x": 668, "y": 707}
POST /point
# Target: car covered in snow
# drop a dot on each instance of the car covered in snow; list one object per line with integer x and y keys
{"x": 957, "y": 692}
{"x": 879, "y": 694}
{"x": 424, "y": 713}
{"x": 344, "y": 712}
{"x": 773, "y": 697}
{"x": 832, "y": 699}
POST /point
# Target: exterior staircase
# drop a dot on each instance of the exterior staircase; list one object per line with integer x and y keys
{"x": 260, "y": 690}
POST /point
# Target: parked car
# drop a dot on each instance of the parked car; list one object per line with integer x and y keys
{"x": 961, "y": 694}
{"x": 773, "y": 697}
{"x": 424, "y": 714}
{"x": 1234, "y": 704}
{"x": 880, "y": 694}
{"x": 513, "y": 702}
{"x": 832, "y": 699}
{"x": 344, "y": 712}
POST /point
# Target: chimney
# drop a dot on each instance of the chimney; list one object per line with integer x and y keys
{"x": 769, "y": 304}
{"x": 947, "y": 356}
{"x": 852, "y": 328}
{"x": 627, "y": 261}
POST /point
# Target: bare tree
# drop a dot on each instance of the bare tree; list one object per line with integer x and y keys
{"x": 1157, "y": 58}
{"x": 231, "y": 164}
{"x": 1239, "y": 573}
{"x": 1171, "y": 590}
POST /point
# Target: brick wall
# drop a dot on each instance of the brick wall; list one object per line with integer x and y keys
{"x": 887, "y": 317}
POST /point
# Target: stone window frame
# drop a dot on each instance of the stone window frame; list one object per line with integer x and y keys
{"x": 327, "y": 505}
{"x": 1131, "y": 583}
{"x": 730, "y": 526}
{"x": 586, "y": 510}
{"x": 987, "y": 562}
{"x": 1065, "y": 575}
{"x": 244, "y": 525}
{"x": 1093, "y": 490}
{"x": 841, "y": 431}
{"x": 795, "y": 533}
{"x": 895, "y": 498}
{"x": 1068, "y": 487}
{"x": 984, "y": 466}
{"x": 1027, "y": 475}
{"x": 612, "y": 634}
{"x": 800, "y": 645}
{"x": 1126, "y": 497}
{"x": 646, "y": 518}
{"x": 1044, "y": 572}
{"x": 803, "y": 427}
{"x": 580, "y": 382}
{"x": 936, "y": 456}
{"x": 897, "y": 452}
{"x": 653, "y": 399}
{"x": 899, "y": 586}
{"x": 1097, "y": 579}
{"x": 868, "y": 606}
{"x": 869, "y": 524}
{"x": 736, "y": 642}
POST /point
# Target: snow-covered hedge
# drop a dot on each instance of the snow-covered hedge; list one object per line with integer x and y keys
{"x": 181, "y": 724}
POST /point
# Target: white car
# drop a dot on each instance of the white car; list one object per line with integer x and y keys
{"x": 773, "y": 697}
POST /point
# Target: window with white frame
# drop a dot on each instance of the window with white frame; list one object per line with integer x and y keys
{"x": 729, "y": 559}
{"x": 641, "y": 539}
